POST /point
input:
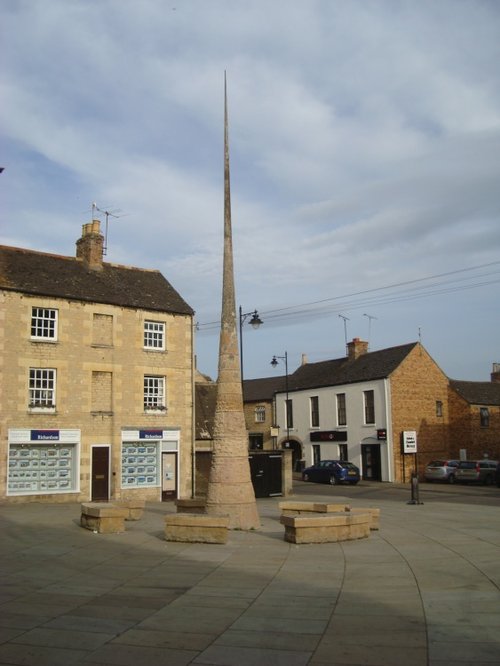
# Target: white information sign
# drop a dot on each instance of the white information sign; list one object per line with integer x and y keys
{"x": 409, "y": 441}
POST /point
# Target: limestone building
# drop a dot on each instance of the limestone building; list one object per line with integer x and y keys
{"x": 96, "y": 387}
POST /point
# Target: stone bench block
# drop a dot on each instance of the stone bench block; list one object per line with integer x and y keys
{"x": 196, "y": 528}
{"x": 374, "y": 514}
{"x": 297, "y": 508}
{"x": 191, "y": 505}
{"x": 133, "y": 507}
{"x": 327, "y": 527}
{"x": 103, "y": 518}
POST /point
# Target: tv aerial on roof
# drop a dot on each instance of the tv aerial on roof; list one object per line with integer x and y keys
{"x": 107, "y": 214}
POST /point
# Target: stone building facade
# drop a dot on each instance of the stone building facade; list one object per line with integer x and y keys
{"x": 258, "y": 404}
{"x": 96, "y": 387}
{"x": 475, "y": 431}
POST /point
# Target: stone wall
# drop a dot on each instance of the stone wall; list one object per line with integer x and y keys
{"x": 100, "y": 364}
{"x": 264, "y": 428}
{"x": 416, "y": 385}
{"x": 466, "y": 432}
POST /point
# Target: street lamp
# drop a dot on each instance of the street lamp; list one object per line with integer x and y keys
{"x": 274, "y": 363}
{"x": 254, "y": 322}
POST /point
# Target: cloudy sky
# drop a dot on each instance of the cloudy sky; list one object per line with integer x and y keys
{"x": 365, "y": 162}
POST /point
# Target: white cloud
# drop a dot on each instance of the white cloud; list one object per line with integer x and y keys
{"x": 364, "y": 147}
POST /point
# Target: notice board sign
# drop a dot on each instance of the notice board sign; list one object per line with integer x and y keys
{"x": 409, "y": 441}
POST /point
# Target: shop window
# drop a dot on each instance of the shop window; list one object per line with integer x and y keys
{"x": 140, "y": 464}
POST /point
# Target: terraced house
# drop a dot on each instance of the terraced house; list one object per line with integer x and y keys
{"x": 368, "y": 407}
{"x": 389, "y": 411}
{"x": 96, "y": 387}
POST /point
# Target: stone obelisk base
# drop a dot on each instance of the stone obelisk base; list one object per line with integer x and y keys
{"x": 230, "y": 490}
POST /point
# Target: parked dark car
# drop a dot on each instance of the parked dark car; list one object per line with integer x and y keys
{"x": 333, "y": 472}
{"x": 441, "y": 470}
{"x": 476, "y": 471}
{"x": 497, "y": 475}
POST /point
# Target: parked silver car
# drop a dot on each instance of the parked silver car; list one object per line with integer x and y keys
{"x": 441, "y": 470}
{"x": 476, "y": 471}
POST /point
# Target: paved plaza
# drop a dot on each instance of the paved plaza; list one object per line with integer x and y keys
{"x": 421, "y": 591}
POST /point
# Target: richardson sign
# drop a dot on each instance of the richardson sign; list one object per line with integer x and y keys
{"x": 329, "y": 436}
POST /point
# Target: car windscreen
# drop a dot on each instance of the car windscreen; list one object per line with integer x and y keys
{"x": 467, "y": 465}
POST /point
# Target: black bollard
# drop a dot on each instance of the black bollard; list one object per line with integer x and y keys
{"x": 415, "y": 498}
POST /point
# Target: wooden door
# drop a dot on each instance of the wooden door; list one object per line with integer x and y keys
{"x": 100, "y": 473}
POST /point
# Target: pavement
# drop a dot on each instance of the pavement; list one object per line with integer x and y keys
{"x": 424, "y": 590}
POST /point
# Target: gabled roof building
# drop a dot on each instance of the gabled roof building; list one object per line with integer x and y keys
{"x": 369, "y": 408}
{"x": 96, "y": 384}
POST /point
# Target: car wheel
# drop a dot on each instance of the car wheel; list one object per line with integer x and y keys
{"x": 305, "y": 477}
{"x": 451, "y": 478}
{"x": 333, "y": 481}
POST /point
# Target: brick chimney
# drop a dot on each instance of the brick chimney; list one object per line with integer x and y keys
{"x": 90, "y": 246}
{"x": 495, "y": 375}
{"x": 356, "y": 348}
{"x": 304, "y": 359}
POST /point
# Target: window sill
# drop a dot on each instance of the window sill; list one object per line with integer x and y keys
{"x": 152, "y": 350}
{"x": 155, "y": 411}
{"x": 41, "y": 410}
{"x": 46, "y": 341}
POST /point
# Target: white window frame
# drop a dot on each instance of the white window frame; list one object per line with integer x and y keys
{"x": 366, "y": 406}
{"x": 154, "y": 335}
{"x": 154, "y": 393}
{"x": 314, "y": 411}
{"x": 260, "y": 414}
{"x": 42, "y": 384}
{"x": 341, "y": 409}
{"x": 44, "y": 324}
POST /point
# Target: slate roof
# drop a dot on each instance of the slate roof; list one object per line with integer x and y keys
{"x": 369, "y": 366}
{"x": 43, "y": 274}
{"x": 255, "y": 390}
{"x": 477, "y": 393}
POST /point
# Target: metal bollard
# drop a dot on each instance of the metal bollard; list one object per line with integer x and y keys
{"x": 415, "y": 497}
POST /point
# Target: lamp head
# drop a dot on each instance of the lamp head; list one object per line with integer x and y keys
{"x": 255, "y": 321}
{"x": 274, "y": 362}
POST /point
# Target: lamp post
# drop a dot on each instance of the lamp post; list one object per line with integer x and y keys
{"x": 254, "y": 322}
{"x": 274, "y": 363}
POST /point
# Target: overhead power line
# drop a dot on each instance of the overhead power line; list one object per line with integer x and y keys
{"x": 408, "y": 290}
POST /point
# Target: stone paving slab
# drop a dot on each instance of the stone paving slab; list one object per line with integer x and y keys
{"x": 422, "y": 591}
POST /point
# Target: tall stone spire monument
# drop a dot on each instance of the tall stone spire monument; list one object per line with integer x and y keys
{"x": 230, "y": 489}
